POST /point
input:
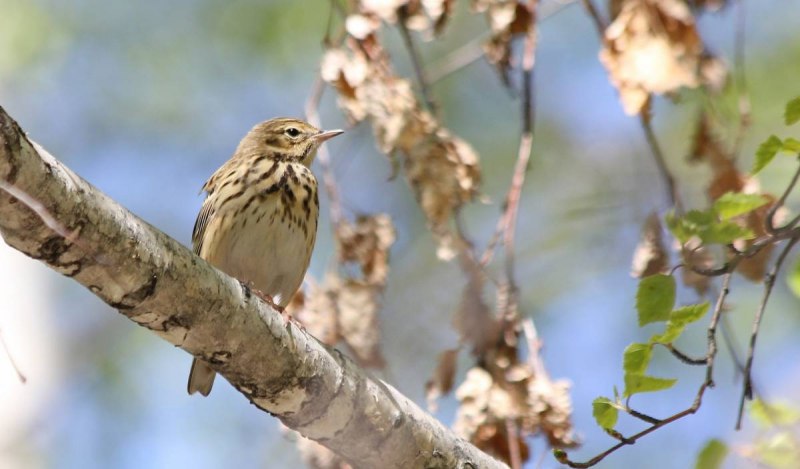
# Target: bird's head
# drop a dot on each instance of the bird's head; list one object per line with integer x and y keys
{"x": 285, "y": 139}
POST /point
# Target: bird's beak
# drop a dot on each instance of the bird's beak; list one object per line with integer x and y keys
{"x": 327, "y": 135}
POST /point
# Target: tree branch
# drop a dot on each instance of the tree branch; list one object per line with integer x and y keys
{"x": 160, "y": 285}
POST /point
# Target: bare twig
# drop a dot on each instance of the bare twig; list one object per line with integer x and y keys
{"x": 458, "y": 59}
{"x": 20, "y": 376}
{"x": 416, "y": 60}
{"x": 707, "y": 383}
{"x": 683, "y": 357}
{"x": 513, "y": 444}
{"x": 642, "y": 416}
{"x": 323, "y": 156}
{"x": 755, "y": 247}
{"x": 769, "y": 283}
{"x": 669, "y": 180}
{"x": 472, "y": 51}
{"x": 506, "y": 225}
{"x": 599, "y": 22}
{"x": 534, "y": 347}
{"x": 645, "y": 121}
{"x": 769, "y": 223}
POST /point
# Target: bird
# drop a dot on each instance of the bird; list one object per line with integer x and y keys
{"x": 258, "y": 222}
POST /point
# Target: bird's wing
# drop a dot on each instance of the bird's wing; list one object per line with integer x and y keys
{"x": 198, "y": 233}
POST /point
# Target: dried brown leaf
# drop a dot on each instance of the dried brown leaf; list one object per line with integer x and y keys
{"x": 362, "y": 26}
{"x": 439, "y": 11}
{"x": 508, "y": 20}
{"x": 694, "y": 255}
{"x": 484, "y": 411}
{"x": 316, "y": 311}
{"x": 651, "y": 256}
{"x": 443, "y": 377}
{"x": 550, "y": 411}
{"x": 386, "y": 10}
{"x": 474, "y": 322}
{"x": 441, "y": 169}
{"x": 706, "y": 147}
{"x": 358, "y": 304}
{"x": 652, "y": 46}
{"x": 367, "y": 242}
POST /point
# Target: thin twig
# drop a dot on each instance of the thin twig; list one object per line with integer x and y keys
{"x": 669, "y": 180}
{"x": 645, "y": 121}
{"x": 323, "y": 156}
{"x": 729, "y": 340}
{"x": 711, "y": 353}
{"x": 416, "y": 61}
{"x": 506, "y": 225}
{"x": 518, "y": 178}
{"x": 755, "y": 247}
{"x": 707, "y": 383}
{"x": 643, "y": 417}
{"x": 599, "y": 22}
{"x": 683, "y": 357}
{"x": 458, "y": 59}
{"x": 472, "y": 50}
{"x": 534, "y": 348}
{"x": 769, "y": 223}
{"x": 769, "y": 283}
{"x": 20, "y": 376}
{"x": 513, "y": 444}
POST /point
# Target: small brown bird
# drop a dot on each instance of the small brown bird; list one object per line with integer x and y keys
{"x": 258, "y": 222}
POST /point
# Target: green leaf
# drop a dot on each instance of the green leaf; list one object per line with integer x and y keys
{"x": 655, "y": 298}
{"x": 793, "y": 279}
{"x": 636, "y": 358}
{"x": 712, "y": 455}
{"x": 792, "y": 113}
{"x": 766, "y": 152}
{"x": 635, "y": 384}
{"x": 771, "y": 414}
{"x": 725, "y": 232}
{"x": 778, "y": 451}
{"x": 704, "y": 225}
{"x": 732, "y": 204}
{"x": 791, "y": 145}
{"x": 605, "y": 412}
{"x": 677, "y": 227}
{"x": 678, "y": 320}
{"x": 689, "y": 313}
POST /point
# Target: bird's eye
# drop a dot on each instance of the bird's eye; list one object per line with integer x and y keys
{"x": 292, "y": 132}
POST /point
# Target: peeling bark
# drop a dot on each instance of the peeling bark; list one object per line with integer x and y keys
{"x": 51, "y": 214}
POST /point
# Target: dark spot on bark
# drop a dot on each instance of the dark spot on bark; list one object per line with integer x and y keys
{"x": 136, "y": 297}
{"x": 245, "y": 290}
{"x": 12, "y": 143}
{"x": 173, "y": 322}
{"x": 52, "y": 248}
{"x": 219, "y": 358}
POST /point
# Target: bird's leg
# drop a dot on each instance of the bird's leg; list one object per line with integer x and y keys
{"x": 250, "y": 289}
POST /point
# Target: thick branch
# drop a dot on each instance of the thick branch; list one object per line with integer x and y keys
{"x": 161, "y": 285}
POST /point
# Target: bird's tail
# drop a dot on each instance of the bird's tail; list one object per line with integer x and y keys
{"x": 201, "y": 378}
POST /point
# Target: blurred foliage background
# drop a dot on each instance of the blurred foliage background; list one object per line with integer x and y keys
{"x": 146, "y": 99}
